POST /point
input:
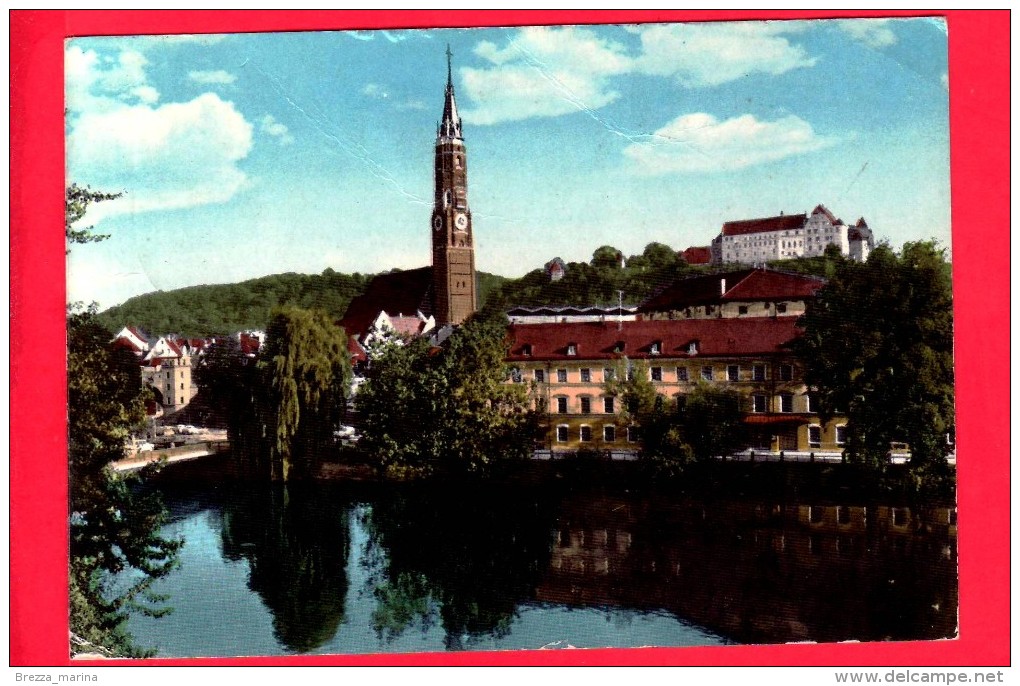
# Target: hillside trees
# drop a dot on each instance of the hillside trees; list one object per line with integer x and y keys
{"x": 429, "y": 411}
{"x": 878, "y": 345}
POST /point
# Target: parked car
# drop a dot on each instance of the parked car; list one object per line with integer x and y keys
{"x": 145, "y": 447}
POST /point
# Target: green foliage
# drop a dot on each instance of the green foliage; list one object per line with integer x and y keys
{"x": 226, "y": 308}
{"x": 77, "y": 201}
{"x": 114, "y": 526}
{"x": 824, "y": 265}
{"x": 598, "y": 282}
{"x": 305, "y": 376}
{"x": 878, "y": 345}
{"x": 429, "y": 411}
{"x": 712, "y": 421}
{"x": 707, "y": 421}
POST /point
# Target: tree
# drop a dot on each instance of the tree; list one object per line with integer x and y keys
{"x": 428, "y": 411}
{"x": 114, "y": 526}
{"x": 606, "y": 257}
{"x": 878, "y": 345}
{"x": 305, "y": 376}
{"x": 76, "y": 204}
{"x": 697, "y": 426}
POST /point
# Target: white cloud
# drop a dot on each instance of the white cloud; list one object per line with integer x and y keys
{"x": 701, "y": 143}
{"x": 543, "y": 72}
{"x": 875, "y": 33}
{"x": 715, "y": 53}
{"x": 163, "y": 156}
{"x": 270, "y": 126}
{"x": 547, "y": 72}
{"x": 374, "y": 90}
{"x": 209, "y": 77}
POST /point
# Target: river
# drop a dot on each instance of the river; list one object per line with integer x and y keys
{"x": 332, "y": 568}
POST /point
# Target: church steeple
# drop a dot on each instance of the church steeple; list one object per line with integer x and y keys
{"x": 453, "y": 253}
{"x": 449, "y": 127}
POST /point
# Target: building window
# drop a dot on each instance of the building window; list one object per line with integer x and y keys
{"x": 812, "y": 402}
{"x": 681, "y": 403}
{"x": 633, "y": 434}
{"x": 759, "y": 372}
{"x": 733, "y": 372}
{"x": 814, "y": 433}
{"x": 609, "y": 434}
{"x": 692, "y": 348}
{"x": 182, "y": 387}
{"x": 656, "y": 348}
{"x": 540, "y": 375}
{"x": 585, "y": 433}
{"x": 182, "y": 400}
{"x": 630, "y": 373}
{"x": 781, "y": 308}
{"x": 758, "y": 403}
{"x": 585, "y": 405}
{"x": 561, "y": 405}
{"x": 608, "y": 374}
{"x": 786, "y": 372}
{"x": 681, "y": 374}
{"x": 609, "y": 405}
{"x": 706, "y": 373}
{"x": 515, "y": 375}
{"x": 526, "y": 350}
{"x": 841, "y": 434}
{"x": 572, "y": 348}
{"x": 742, "y": 309}
{"x": 786, "y": 402}
{"x": 561, "y": 375}
{"x": 562, "y": 433}
{"x": 585, "y": 376}
{"x": 842, "y": 514}
{"x": 656, "y": 373}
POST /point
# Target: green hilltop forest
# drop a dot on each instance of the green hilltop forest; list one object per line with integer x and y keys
{"x": 226, "y": 308}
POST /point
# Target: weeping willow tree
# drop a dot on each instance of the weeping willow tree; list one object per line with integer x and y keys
{"x": 305, "y": 375}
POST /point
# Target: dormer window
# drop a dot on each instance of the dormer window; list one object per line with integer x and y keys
{"x": 655, "y": 348}
{"x": 619, "y": 347}
{"x": 692, "y": 348}
{"x": 571, "y": 348}
{"x": 526, "y": 350}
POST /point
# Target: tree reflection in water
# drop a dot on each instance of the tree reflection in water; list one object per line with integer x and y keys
{"x": 464, "y": 558}
{"x": 296, "y": 542}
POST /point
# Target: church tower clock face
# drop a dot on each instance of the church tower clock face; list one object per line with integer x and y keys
{"x": 437, "y": 222}
{"x": 461, "y": 221}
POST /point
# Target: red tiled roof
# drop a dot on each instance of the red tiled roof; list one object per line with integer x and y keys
{"x": 697, "y": 255}
{"x": 395, "y": 293}
{"x": 828, "y": 215}
{"x": 762, "y": 284}
{"x": 128, "y": 344}
{"x": 355, "y": 349}
{"x": 783, "y": 222}
{"x": 600, "y": 340}
{"x": 174, "y": 347}
{"x": 407, "y": 326}
{"x": 745, "y": 284}
{"x": 249, "y": 343}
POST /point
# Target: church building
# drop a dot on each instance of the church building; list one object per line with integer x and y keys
{"x": 447, "y": 291}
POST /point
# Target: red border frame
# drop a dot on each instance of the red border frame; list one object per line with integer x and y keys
{"x": 979, "y": 114}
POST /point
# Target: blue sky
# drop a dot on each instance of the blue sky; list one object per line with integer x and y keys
{"x": 251, "y": 154}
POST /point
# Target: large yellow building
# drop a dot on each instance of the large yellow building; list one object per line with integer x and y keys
{"x": 570, "y": 363}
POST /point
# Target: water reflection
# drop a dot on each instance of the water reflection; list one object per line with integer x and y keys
{"x": 762, "y": 572}
{"x": 296, "y": 542}
{"x": 427, "y": 568}
{"x": 465, "y": 560}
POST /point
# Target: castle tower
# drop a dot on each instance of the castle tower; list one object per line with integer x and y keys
{"x": 453, "y": 252}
